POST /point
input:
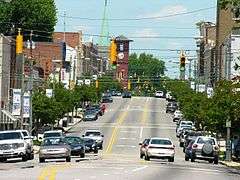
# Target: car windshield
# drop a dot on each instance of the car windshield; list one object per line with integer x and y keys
{"x": 52, "y": 141}
{"x": 24, "y": 133}
{"x": 86, "y": 140}
{"x": 89, "y": 112}
{"x": 161, "y": 142}
{"x": 53, "y": 134}
{"x": 187, "y": 123}
{"x": 92, "y": 133}
{"x": 10, "y": 135}
{"x": 73, "y": 140}
{"x": 206, "y": 140}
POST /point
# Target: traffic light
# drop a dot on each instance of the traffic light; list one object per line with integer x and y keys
{"x": 97, "y": 84}
{"x": 19, "y": 43}
{"x": 113, "y": 53}
{"x": 182, "y": 61}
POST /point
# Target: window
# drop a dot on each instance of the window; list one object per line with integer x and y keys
{"x": 161, "y": 142}
{"x": 12, "y": 135}
{"x": 121, "y": 47}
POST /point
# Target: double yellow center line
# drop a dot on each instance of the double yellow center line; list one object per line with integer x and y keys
{"x": 50, "y": 172}
{"x": 120, "y": 120}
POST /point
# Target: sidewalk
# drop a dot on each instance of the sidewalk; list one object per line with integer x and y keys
{"x": 71, "y": 125}
{"x": 231, "y": 164}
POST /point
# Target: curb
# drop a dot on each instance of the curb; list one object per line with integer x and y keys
{"x": 234, "y": 165}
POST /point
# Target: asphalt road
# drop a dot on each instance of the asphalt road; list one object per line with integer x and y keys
{"x": 126, "y": 123}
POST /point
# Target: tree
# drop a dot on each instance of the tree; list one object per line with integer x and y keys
{"x": 37, "y": 15}
{"x": 226, "y": 3}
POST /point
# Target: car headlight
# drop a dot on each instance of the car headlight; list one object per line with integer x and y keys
{"x": 98, "y": 140}
{"x": 20, "y": 145}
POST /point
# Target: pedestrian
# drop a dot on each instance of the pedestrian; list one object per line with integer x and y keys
{"x": 103, "y": 108}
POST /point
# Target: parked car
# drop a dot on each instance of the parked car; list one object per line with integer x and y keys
{"x": 29, "y": 140}
{"x": 90, "y": 115}
{"x": 54, "y": 148}
{"x": 90, "y": 145}
{"x": 96, "y": 107}
{"x": 159, "y": 94}
{"x": 95, "y": 135}
{"x": 182, "y": 128}
{"x": 171, "y": 107}
{"x": 54, "y": 133}
{"x": 126, "y": 94}
{"x": 177, "y": 115}
{"x": 77, "y": 145}
{"x": 204, "y": 148}
{"x": 159, "y": 148}
{"x": 184, "y": 122}
{"x": 191, "y": 135}
{"x": 107, "y": 99}
{"x": 118, "y": 93}
{"x": 13, "y": 145}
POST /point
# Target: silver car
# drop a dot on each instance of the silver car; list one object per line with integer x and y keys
{"x": 54, "y": 148}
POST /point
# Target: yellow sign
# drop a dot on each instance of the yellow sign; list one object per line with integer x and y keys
{"x": 19, "y": 43}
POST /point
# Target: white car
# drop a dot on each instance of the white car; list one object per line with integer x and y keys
{"x": 159, "y": 94}
{"x": 13, "y": 145}
{"x": 177, "y": 115}
{"x": 95, "y": 135}
{"x": 55, "y": 133}
{"x": 158, "y": 148}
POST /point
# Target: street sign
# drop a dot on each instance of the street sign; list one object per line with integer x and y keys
{"x": 49, "y": 93}
{"x": 228, "y": 124}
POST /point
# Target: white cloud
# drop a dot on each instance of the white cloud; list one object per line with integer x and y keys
{"x": 168, "y": 10}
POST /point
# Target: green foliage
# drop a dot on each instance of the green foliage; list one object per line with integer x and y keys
{"x": 209, "y": 113}
{"x": 108, "y": 83}
{"x": 225, "y": 3}
{"x": 38, "y": 15}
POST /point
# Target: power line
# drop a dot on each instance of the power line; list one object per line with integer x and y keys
{"x": 142, "y": 18}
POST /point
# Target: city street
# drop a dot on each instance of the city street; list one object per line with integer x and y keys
{"x": 125, "y": 123}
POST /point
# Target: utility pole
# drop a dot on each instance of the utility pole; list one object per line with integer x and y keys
{"x": 190, "y": 69}
{"x": 31, "y": 83}
{"x": 217, "y": 54}
{"x": 64, "y": 26}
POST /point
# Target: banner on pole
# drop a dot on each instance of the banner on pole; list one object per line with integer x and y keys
{"x": 26, "y": 105}
{"x": 16, "y": 109}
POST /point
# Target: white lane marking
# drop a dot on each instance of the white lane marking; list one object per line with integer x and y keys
{"x": 123, "y": 138}
{"x": 105, "y": 174}
{"x": 128, "y": 131}
{"x": 128, "y": 107}
{"x": 139, "y": 169}
{"x": 141, "y": 133}
{"x": 123, "y": 145}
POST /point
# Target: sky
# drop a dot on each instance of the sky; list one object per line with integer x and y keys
{"x": 168, "y": 29}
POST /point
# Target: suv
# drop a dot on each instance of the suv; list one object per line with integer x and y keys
{"x": 190, "y": 136}
{"x": 13, "y": 145}
{"x": 95, "y": 135}
{"x": 159, "y": 94}
{"x": 204, "y": 148}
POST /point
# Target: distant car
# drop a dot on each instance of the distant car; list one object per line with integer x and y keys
{"x": 95, "y": 135}
{"x": 54, "y": 148}
{"x": 126, "y": 95}
{"x": 90, "y": 145}
{"x": 203, "y": 148}
{"x": 97, "y": 108}
{"x": 182, "y": 128}
{"x": 171, "y": 107}
{"x": 177, "y": 115}
{"x": 158, "y": 148}
{"x": 159, "y": 94}
{"x": 77, "y": 145}
{"x": 118, "y": 93}
{"x": 55, "y": 133}
{"x": 107, "y": 99}
{"x": 90, "y": 115}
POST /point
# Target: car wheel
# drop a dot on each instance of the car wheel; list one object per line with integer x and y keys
{"x": 68, "y": 159}
{"x": 147, "y": 158}
{"x": 141, "y": 155}
{"x": 192, "y": 160}
{"x": 25, "y": 158}
{"x": 95, "y": 151}
{"x": 216, "y": 160}
{"x": 181, "y": 144}
{"x": 82, "y": 155}
{"x": 41, "y": 160}
{"x": 3, "y": 159}
{"x": 184, "y": 149}
{"x": 31, "y": 156}
{"x": 101, "y": 147}
{"x": 171, "y": 159}
{"x": 210, "y": 161}
{"x": 186, "y": 158}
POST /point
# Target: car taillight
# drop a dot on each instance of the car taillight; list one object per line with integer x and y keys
{"x": 216, "y": 148}
{"x": 194, "y": 146}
